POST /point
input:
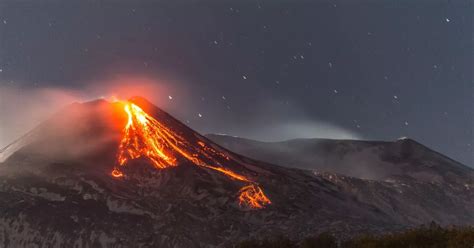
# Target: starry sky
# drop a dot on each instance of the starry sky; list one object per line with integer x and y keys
{"x": 267, "y": 70}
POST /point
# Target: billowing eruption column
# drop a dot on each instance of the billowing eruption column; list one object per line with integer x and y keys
{"x": 144, "y": 136}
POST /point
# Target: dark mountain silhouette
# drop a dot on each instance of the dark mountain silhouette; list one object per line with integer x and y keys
{"x": 58, "y": 190}
{"x": 375, "y": 160}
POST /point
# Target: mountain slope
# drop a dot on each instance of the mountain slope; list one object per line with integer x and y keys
{"x": 58, "y": 189}
{"x": 375, "y": 160}
{"x": 401, "y": 178}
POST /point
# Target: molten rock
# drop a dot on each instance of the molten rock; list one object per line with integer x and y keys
{"x": 145, "y": 136}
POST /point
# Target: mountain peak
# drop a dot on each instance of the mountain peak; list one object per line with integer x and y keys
{"x": 138, "y": 130}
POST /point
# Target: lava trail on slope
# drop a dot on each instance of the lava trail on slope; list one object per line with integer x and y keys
{"x": 146, "y": 137}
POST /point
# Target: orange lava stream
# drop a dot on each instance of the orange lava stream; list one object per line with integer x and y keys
{"x": 253, "y": 196}
{"x": 144, "y": 136}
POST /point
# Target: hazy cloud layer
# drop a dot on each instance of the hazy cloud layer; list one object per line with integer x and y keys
{"x": 269, "y": 119}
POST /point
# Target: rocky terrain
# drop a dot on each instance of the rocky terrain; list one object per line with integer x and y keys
{"x": 56, "y": 190}
{"x": 402, "y": 176}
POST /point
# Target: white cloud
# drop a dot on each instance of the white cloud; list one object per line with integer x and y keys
{"x": 302, "y": 129}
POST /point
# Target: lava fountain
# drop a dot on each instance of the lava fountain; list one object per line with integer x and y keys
{"x": 145, "y": 136}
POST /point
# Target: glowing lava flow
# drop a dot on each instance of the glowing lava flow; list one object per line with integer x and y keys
{"x": 144, "y": 136}
{"x": 253, "y": 196}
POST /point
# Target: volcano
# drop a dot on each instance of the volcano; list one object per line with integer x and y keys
{"x": 128, "y": 174}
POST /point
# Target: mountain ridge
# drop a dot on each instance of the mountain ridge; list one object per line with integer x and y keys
{"x": 293, "y": 153}
{"x": 65, "y": 171}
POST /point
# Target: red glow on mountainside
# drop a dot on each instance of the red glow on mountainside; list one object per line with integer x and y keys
{"x": 144, "y": 136}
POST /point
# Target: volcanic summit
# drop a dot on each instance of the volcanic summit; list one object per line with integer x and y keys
{"x": 127, "y": 174}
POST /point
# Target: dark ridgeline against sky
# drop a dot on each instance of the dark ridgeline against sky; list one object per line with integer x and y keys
{"x": 262, "y": 69}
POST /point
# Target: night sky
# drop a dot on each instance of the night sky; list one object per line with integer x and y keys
{"x": 268, "y": 70}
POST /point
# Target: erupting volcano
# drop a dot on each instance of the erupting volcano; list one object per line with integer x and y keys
{"x": 145, "y": 136}
{"x": 128, "y": 174}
